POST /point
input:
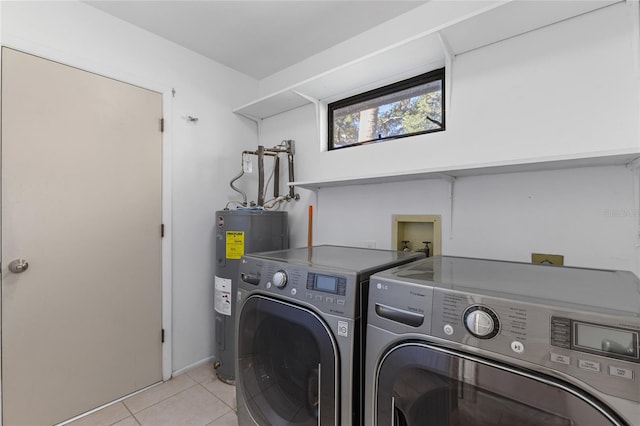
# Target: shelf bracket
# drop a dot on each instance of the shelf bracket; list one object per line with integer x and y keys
{"x": 445, "y": 177}
{"x": 449, "y": 57}
{"x": 634, "y": 167}
{"x": 321, "y": 113}
{"x": 634, "y": 164}
{"x": 452, "y": 182}
{"x": 632, "y": 5}
{"x": 256, "y": 120}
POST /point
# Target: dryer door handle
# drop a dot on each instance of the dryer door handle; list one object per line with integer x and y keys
{"x": 399, "y": 315}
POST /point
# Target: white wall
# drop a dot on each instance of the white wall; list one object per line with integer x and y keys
{"x": 199, "y": 159}
{"x": 586, "y": 214}
{"x": 570, "y": 89}
{"x": 567, "y": 89}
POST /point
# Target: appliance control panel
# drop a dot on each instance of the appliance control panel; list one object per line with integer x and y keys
{"x": 601, "y": 350}
{"x": 332, "y": 292}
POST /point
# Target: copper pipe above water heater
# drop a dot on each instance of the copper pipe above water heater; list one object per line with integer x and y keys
{"x": 310, "y": 228}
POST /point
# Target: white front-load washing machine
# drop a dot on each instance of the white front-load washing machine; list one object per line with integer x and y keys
{"x": 300, "y": 333}
{"x": 471, "y": 342}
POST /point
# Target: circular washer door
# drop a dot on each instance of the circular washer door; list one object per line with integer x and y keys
{"x": 417, "y": 381}
{"x": 287, "y": 364}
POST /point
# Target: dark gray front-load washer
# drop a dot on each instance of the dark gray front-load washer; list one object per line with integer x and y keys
{"x": 300, "y": 336}
{"x": 471, "y": 342}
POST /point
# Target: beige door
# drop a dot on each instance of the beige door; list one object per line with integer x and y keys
{"x": 81, "y": 203}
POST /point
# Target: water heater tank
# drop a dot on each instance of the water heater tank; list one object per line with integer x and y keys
{"x": 239, "y": 232}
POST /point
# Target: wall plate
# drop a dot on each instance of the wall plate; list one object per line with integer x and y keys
{"x": 547, "y": 259}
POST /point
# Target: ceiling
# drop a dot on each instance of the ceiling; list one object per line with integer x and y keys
{"x": 256, "y": 38}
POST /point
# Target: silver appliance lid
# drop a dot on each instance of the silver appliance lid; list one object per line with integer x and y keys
{"x": 550, "y": 285}
{"x": 354, "y": 259}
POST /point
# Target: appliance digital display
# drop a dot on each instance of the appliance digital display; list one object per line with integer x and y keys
{"x": 606, "y": 340}
{"x": 326, "y": 283}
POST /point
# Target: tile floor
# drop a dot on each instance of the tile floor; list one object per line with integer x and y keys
{"x": 195, "y": 398}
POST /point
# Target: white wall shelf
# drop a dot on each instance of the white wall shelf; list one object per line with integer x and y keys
{"x": 397, "y": 62}
{"x": 449, "y": 174}
{"x": 420, "y": 53}
{"x": 435, "y": 46}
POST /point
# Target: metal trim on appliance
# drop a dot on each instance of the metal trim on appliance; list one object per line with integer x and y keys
{"x": 540, "y": 377}
{"x": 336, "y": 377}
{"x": 320, "y": 392}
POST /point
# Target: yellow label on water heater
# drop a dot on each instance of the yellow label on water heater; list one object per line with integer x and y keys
{"x": 235, "y": 244}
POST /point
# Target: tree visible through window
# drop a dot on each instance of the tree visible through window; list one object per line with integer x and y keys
{"x": 406, "y": 108}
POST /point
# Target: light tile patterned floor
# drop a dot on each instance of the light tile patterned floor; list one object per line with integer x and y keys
{"x": 195, "y": 398}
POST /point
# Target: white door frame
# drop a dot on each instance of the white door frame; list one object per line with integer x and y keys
{"x": 109, "y": 71}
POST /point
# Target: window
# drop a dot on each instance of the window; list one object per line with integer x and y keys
{"x": 406, "y": 108}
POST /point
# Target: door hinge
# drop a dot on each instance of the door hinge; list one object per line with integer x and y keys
{"x": 163, "y": 335}
{"x": 162, "y": 125}
{"x": 162, "y": 230}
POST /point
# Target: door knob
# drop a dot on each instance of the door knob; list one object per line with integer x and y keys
{"x": 18, "y": 265}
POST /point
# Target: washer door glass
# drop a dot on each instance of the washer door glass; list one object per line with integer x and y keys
{"x": 287, "y": 364}
{"x": 420, "y": 384}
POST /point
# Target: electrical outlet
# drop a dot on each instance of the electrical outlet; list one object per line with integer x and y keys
{"x": 547, "y": 259}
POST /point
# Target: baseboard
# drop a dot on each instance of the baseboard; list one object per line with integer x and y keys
{"x": 192, "y": 366}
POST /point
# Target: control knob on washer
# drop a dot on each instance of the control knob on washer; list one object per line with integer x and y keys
{"x": 280, "y": 279}
{"x": 482, "y": 322}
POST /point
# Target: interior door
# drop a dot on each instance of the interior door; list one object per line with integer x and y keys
{"x": 81, "y": 205}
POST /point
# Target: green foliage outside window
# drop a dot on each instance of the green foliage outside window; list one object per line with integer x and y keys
{"x": 407, "y": 108}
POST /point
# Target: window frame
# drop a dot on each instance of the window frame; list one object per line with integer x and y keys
{"x": 435, "y": 75}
